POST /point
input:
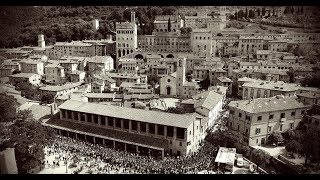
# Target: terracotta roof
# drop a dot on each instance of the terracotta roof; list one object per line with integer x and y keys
{"x": 207, "y": 99}
{"x": 168, "y": 119}
{"x": 60, "y": 88}
{"x": 268, "y": 104}
{"x": 112, "y": 133}
{"x": 278, "y": 86}
{"x": 22, "y": 75}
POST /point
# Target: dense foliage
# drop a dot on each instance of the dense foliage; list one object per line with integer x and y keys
{"x": 20, "y": 25}
{"x": 27, "y": 136}
{"x": 7, "y": 108}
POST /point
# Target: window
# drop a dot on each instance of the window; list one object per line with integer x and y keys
{"x": 258, "y": 131}
{"x": 240, "y": 115}
{"x": 271, "y": 116}
{"x": 281, "y": 125}
{"x": 247, "y": 131}
{"x": 293, "y": 113}
{"x": 269, "y": 128}
{"x": 180, "y": 143}
{"x": 283, "y": 115}
{"x": 302, "y": 112}
{"x": 238, "y": 127}
{"x": 248, "y": 118}
{"x": 168, "y": 80}
{"x": 291, "y": 125}
{"x": 259, "y": 118}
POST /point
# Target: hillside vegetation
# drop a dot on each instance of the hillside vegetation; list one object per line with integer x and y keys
{"x": 20, "y": 25}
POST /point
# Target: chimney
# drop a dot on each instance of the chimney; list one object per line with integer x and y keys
{"x": 133, "y": 17}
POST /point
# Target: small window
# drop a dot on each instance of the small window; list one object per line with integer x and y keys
{"x": 247, "y": 131}
{"x": 293, "y": 113}
{"x": 258, "y": 131}
{"x": 269, "y": 128}
{"x": 271, "y": 116}
{"x": 248, "y": 118}
{"x": 302, "y": 112}
{"x": 291, "y": 125}
{"x": 259, "y": 118}
{"x": 168, "y": 80}
{"x": 283, "y": 115}
{"x": 240, "y": 115}
{"x": 281, "y": 127}
{"x": 180, "y": 143}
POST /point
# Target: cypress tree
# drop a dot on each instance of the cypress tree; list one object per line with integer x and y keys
{"x": 169, "y": 25}
{"x": 246, "y": 15}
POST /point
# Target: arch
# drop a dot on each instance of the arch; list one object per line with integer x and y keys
{"x": 161, "y": 30}
{"x": 123, "y": 52}
{"x": 170, "y": 56}
{"x": 138, "y": 56}
{"x": 128, "y": 51}
{"x": 174, "y": 30}
{"x": 168, "y": 90}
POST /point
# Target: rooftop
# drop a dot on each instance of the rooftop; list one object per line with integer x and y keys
{"x": 112, "y": 133}
{"x": 168, "y": 119}
{"x": 224, "y": 79}
{"x": 54, "y": 66}
{"x": 272, "y": 104}
{"x": 22, "y": 75}
{"x": 72, "y": 43}
{"x": 207, "y": 99}
{"x": 99, "y": 59}
{"x": 134, "y": 85}
{"x": 60, "y": 88}
{"x": 278, "y": 86}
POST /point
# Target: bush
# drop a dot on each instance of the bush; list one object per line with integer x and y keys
{"x": 275, "y": 138}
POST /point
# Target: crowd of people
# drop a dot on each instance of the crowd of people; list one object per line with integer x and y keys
{"x": 95, "y": 158}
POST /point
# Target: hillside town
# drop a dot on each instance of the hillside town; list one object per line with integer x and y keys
{"x": 211, "y": 90}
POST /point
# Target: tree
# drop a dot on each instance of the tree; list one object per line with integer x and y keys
{"x": 154, "y": 11}
{"x": 263, "y": 11}
{"x": 310, "y": 144}
{"x": 240, "y": 14}
{"x": 47, "y": 98}
{"x": 273, "y": 11}
{"x": 260, "y": 157}
{"x": 275, "y": 138}
{"x": 169, "y": 10}
{"x": 25, "y": 115}
{"x": 28, "y": 138}
{"x": 116, "y": 15}
{"x": 169, "y": 25}
{"x": 185, "y": 30}
{"x": 7, "y": 108}
{"x": 204, "y": 84}
{"x": 292, "y": 10}
{"x": 293, "y": 146}
{"x": 286, "y": 10}
{"x": 246, "y": 14}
